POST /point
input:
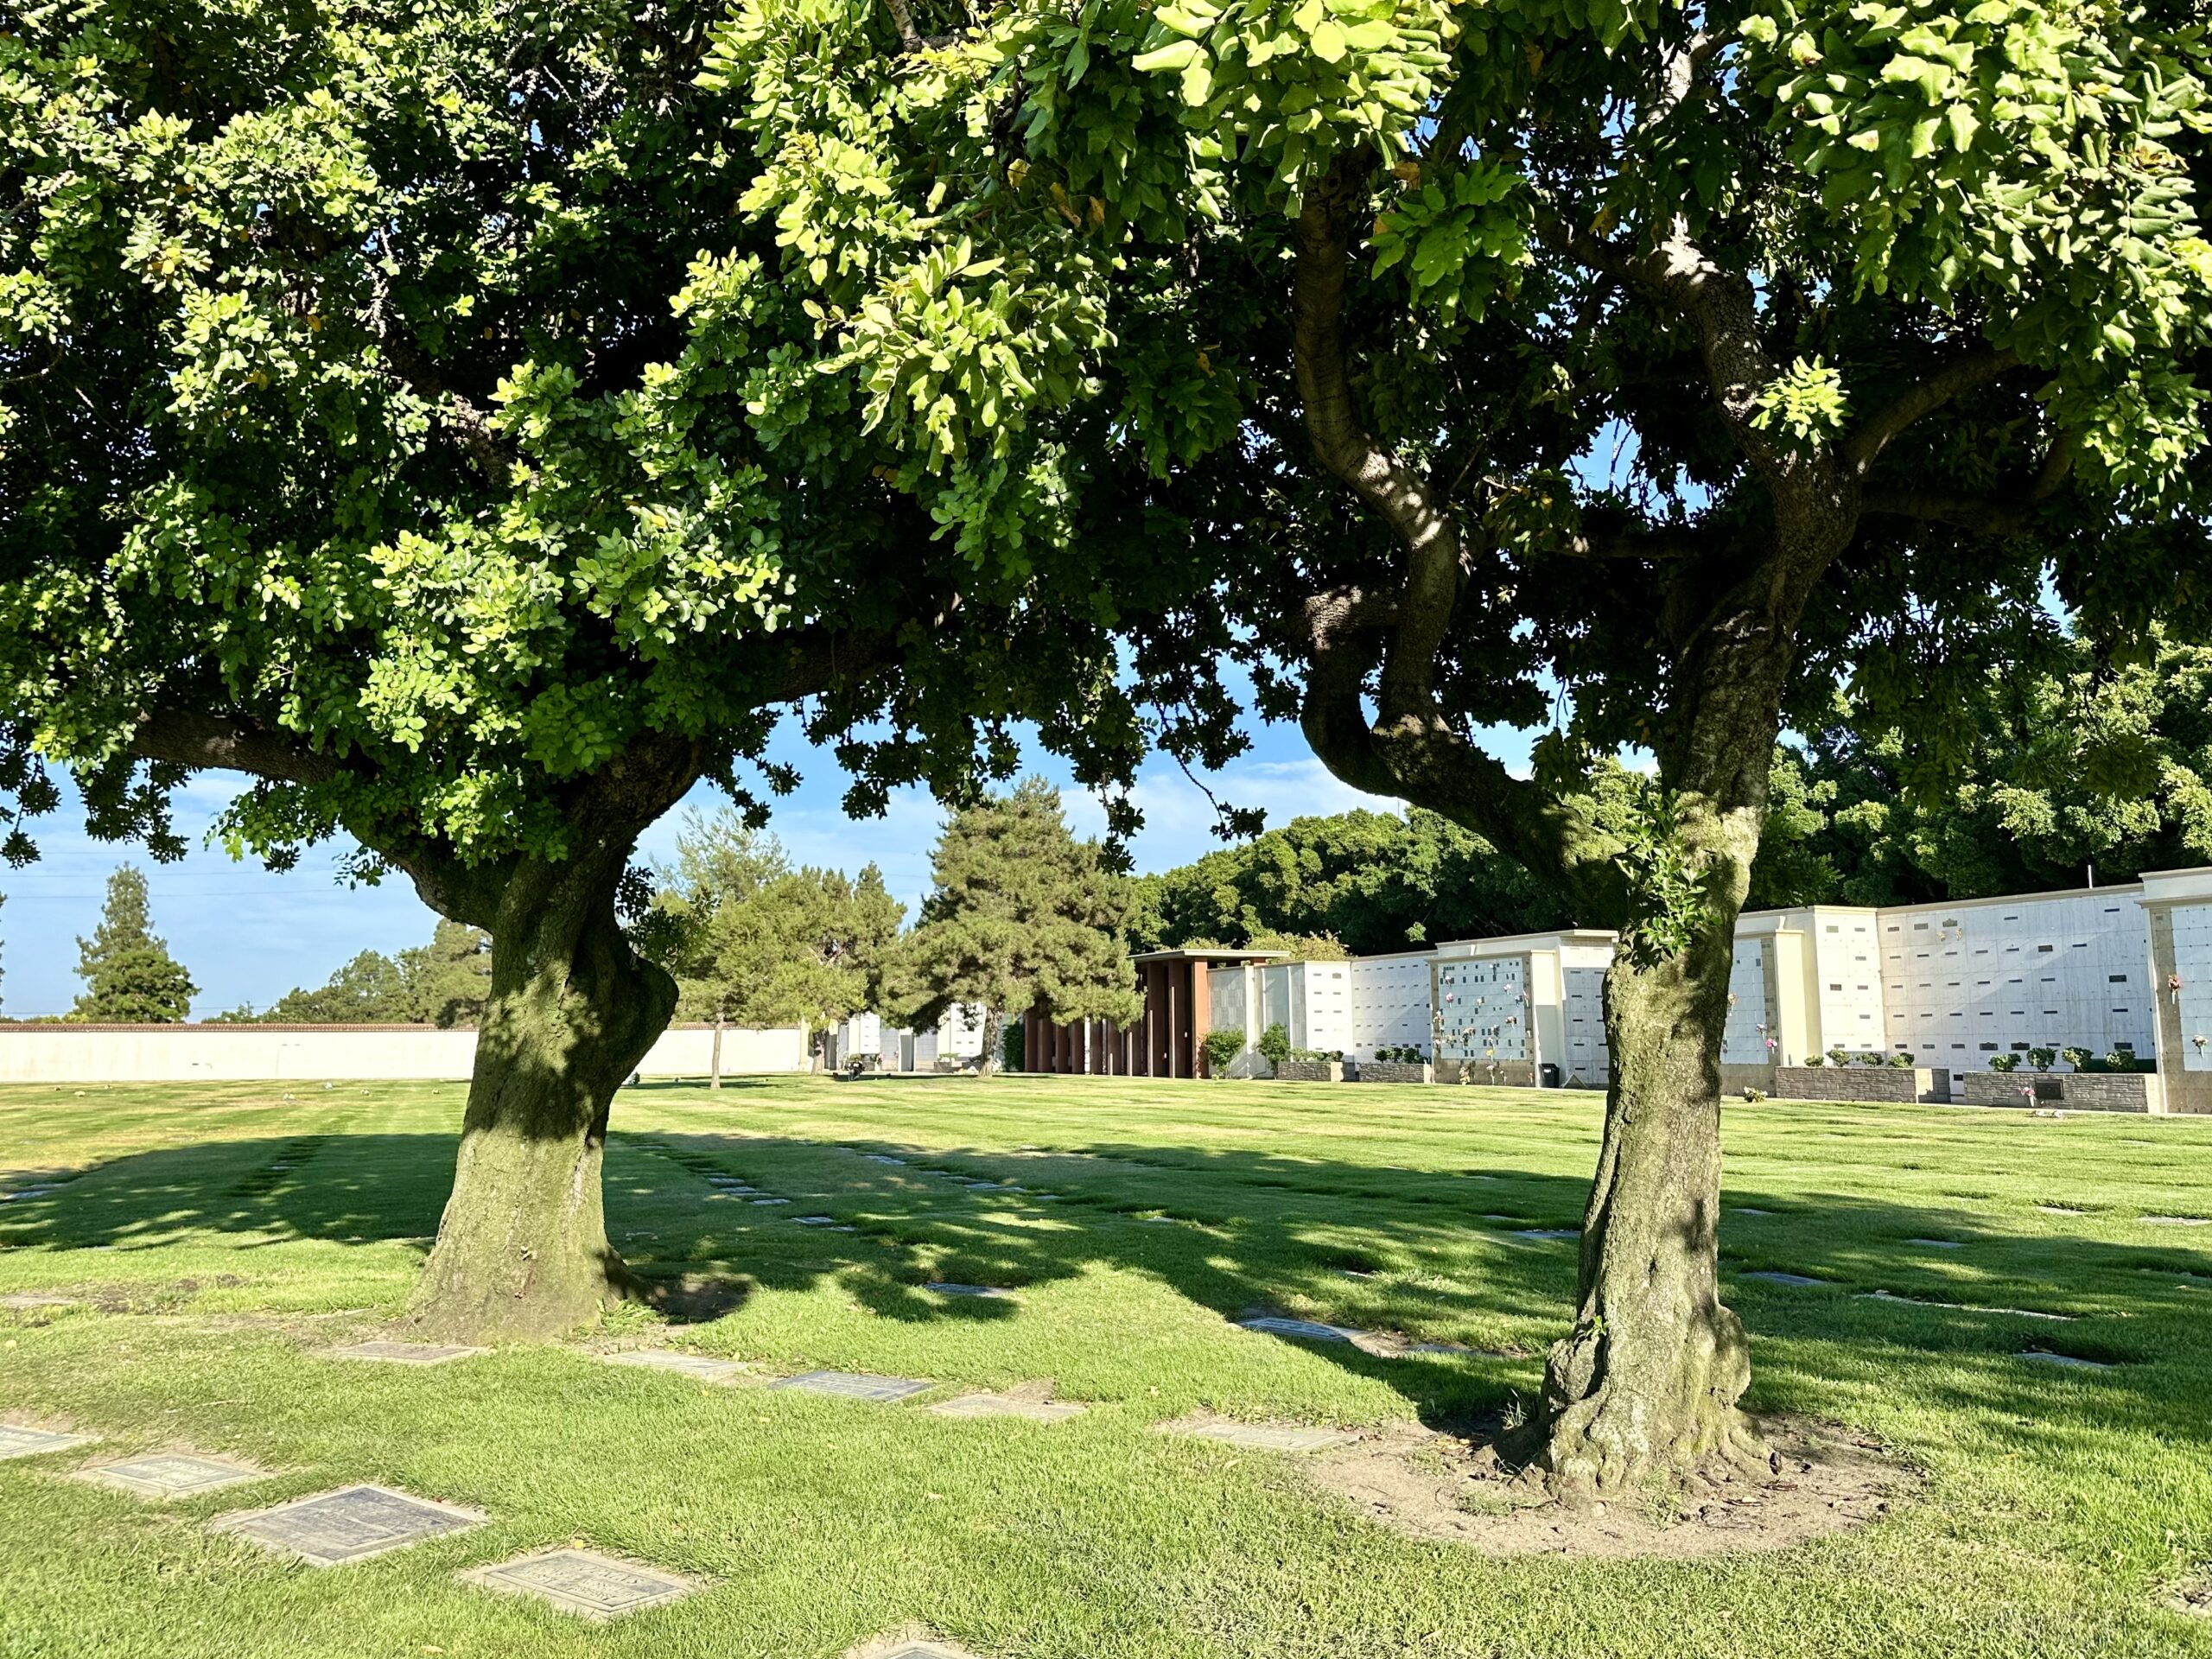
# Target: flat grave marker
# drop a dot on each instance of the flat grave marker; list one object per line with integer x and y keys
{"x": 2176, "y": 1220}
{"x": 1937, "y": 1243}
{"x": 161, "y": 1476}
{"x": 885, "y": 1158}
{"x": 403, "y": 1353}
{"x": 1963, "y": 1308}
{"x": 771, "y": 1200}
{"x": 1266, "y": 1436}
{"x": 1548, "y": 1232}
{"x": 924, "y": 1650}
{"x": 705, "y": 1367}
{"x": 17, "y": 1442}
{"x": 24, "y": 1299}
{"x": 2072, "y": 1362}
{"x": 583, "y": 1582}
{"x": 2059, "y": 1210}
{"x": 1747, "y": 1210}
{"x": 1310, "y": 1329}
{"x": 856, "y": 1385}
{"x": 1008, "y": 1405}
{"x": 1776, "y": 1278}
{"x": 350, "y": 1524}
{"x": 945, "y": 1287}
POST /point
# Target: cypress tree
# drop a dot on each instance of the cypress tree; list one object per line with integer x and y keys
{"x": 129, "y": 977}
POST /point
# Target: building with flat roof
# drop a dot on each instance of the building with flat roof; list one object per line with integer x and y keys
{"x": 2126, "y": 968}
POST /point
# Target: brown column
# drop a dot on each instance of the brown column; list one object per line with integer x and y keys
{"x": 1201, "y": 1016}
{"x": 1032, "y": 1049}
{"x": 1179, "y": 1015}
{"x": 1145, "y": 1035}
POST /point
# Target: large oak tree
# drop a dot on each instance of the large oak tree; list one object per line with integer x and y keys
{"x": 1635, "y": 371}
{"x": 407, "y": 407}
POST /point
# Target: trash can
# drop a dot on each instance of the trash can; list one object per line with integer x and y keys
{"x": 1548, "y": 1075}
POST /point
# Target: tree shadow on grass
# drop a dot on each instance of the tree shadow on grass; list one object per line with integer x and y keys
{"x": 1425, "y": 1254}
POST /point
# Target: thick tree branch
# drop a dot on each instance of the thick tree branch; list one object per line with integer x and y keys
{"x": 1674, "y": 544}
{"x": 1963, "y": 374}
{"x": 186, "y": 738}
{"x": 1410, "y": 750}
{"x": 1395, "y": 492}
{"x": 911, "y": 39}
{"x": 1983, "y": 515}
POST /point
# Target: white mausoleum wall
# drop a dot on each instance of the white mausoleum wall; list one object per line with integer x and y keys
{"x": 1388, "y": 999}
{"x": 1966, "y": 980}
{"x": 313, "y": 1053}
{"x": 2192, "y": 926}
{"x": 1750, "y": 1019}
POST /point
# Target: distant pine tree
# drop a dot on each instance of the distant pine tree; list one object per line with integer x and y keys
{"x": 446, "y": 982}
{"x": 129, "y": 977}
{"x": 1023, "y": 916}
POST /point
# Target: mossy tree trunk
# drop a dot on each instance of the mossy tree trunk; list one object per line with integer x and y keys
{"x": 1647, "y": 1379}
{"x": 522, "y": 1252}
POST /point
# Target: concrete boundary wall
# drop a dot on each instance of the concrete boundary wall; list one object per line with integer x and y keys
{"x": 313, "y": 1053}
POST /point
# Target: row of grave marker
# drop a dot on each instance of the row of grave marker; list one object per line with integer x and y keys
{"x": 355, "y": 1522}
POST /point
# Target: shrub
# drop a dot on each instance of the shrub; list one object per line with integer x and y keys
{"x": 1012, "y": 1050}
{"x": 1274, "y": 1044}
{"x": 1901, "y": 1061}
{"x": 2122, "y": 1058}
{"x": 2079, "y": 1058}
{"x": 1839, "y": 1056}
{"x": 1222, "y": 1048}
{"x": 2004, "y": 1062}
{"x": 1752, "y": 1097}
{"x": 2042, "y": 1058}
{"x": 1814, "y": 1059}
{"x": 1872, "y": 1057}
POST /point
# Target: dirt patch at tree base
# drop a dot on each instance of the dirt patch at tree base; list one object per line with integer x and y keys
{"x": 2194, "y": 1596}
{"x": 1823, "y": 1478}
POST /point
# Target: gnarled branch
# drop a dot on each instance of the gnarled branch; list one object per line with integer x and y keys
{"x": 1395, "y": 492}
{"x": 1962, "y": 374}
{"x": 212, "y": 742}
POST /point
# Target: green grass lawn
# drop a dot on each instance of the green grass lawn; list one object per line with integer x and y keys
{"x": 2060, "y": 1507}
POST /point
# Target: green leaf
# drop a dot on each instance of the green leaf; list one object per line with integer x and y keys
{"x": 1328, "y": 42}
{"x": 1176, "y": 54}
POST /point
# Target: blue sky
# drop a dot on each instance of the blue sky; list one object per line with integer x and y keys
{"x": 249, "y": 935}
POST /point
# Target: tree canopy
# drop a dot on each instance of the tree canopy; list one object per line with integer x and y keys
{"x": 130, "y": 976}
{"x": 1373, "y": 881}
{"x": 2066, "y": 769}
{"x": 755, "y": 942}
{"x": 444, "y": 983}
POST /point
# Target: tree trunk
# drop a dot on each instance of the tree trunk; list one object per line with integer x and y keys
{"x": 1648, "y": 1381}
{"x": 522, "y": 1251}
{"x": 987, "y": 1063}
{"x": 714, "y": 1064}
